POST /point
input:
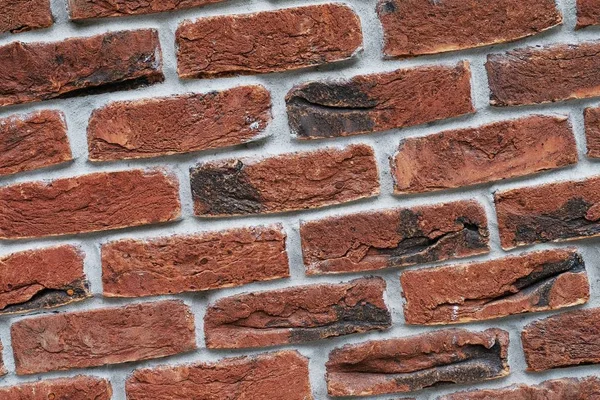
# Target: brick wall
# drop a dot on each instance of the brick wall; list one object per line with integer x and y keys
{"x": 218, "y": 199}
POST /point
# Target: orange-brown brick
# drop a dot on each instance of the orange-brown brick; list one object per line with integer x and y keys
{"x": 85, "y": 9}
{"x": 592, "y": 131}
{"x": 588, "y": 13}
{"x": 24, "y": 15}
{"x": 3, "y": 370}
{"x": 77, "y": 388}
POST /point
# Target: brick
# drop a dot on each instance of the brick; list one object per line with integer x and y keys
{"x": 33, "y": 141}
{"x": 86, "y": 9}
{"x": 588, "y": 13}
{"x": 488, "y": 153}
{"x": 417, "y": 362}
{"x": 79, "y": 66}
{"x": 271, "y": 41}
{"x": 178, "y": 264}
{"x": 287, "y": 182}
{"x": 379, "y": 102}
{"x": 535, "y": 75}
{"x": 3, "y": 370}
{"x": 547, "y": 213}
{"x": 534, "y": 282}
{"x": 43, "y": 278}
{"x": 274, "y": 376}
{"x": 178, "y": 124}
{"x": 24, "y": 15}
{"x": 102, "y": 337}
{"x": 77, "y": 388}
{"x": 592, "y": 131}
{"x": 88, "y": 203}
{"x": 297, "y": 315}
{"x": 394, "y": 238}
{"x": 416, "y": 27}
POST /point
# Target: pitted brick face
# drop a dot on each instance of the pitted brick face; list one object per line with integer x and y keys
{"x": 87, "y": 9}
{"x": 588, "y": 13}
{"x": 77, "y": 388}
{"x": 25, "y": 15}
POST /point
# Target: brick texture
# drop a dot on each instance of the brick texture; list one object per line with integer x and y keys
{"x": 3, "y": 370}
{"x": 24, "y": 15}
{"x": 588, "y": 13}
{"x": 77, "y": 388}
{"x": 592, "y": 131}
{"x": 85, "y": 9}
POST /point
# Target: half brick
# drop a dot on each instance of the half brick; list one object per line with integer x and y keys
{"x": 86, "y": 9}
{"x": 77, "y": 388}
{"x": 3, "y": 370}
{"x": 24, "y": 15}
{"x": 592, "y": 131}
{"x": 588, "y": 13}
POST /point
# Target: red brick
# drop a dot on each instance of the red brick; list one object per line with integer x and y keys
{"x": 394, "y": 238}
{"x": 379, "y": 102}
{"x": 553, "y": 212}
{"x": 592, "y": 131}
{"x": 178, "y": 264}
{"x": 79, "y": 66}
{"x": 588, "y": 13}
{"x": 33, "y": 141}
{"x": 43, "y": 278}
{"x": 497, "y": 151}
{"x": 101, "y": 337}
{"x": 541, "y": 75}
{"x": 287, "y": 182}
{"x": 273, "y": 376}
{"x": 24, "y": 15}
{"x": 88, "y": 203}
{"x": 416, "y": 27}
{"x": 417, "y": 362}
{"x": 270, "y": 41}
{"x": 178, "y": 124}
{"x": 77, "y": 388}
{"x": 85, "y": 9}
{"x": 297, "y": 315}
{"x": 473, "y": 292}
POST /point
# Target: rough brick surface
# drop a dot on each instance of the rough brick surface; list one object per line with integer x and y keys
{"x": 588, "y": 13}
{"x": 33, "y": 141}
{"x": 563, "y": 340}
{"x": 44, "y": 278}
{"x": 99, "y": 337}
{"x": 592, "y": 131}
{"x": 378, "y": 102}
{"x": 534, "y": 282}
{"x": 415, "y": 27}
{"x": 552, "y": 212}
{"x": 85, "y": 9}
{"x": 2, "y": 367}
{"x": 24, "y": 15}
{"x": 286, "y": 182}
{"x": 178, "y": 124}
{"x": 78, "y": 66}
{"x": 297, "y": 315}
{"x": 77, "y": 388}
{"x": 394, "y": 238}
{"x": 273, "y": 376}
{"x": 177, "y": 264}
{"x": 542, "y": 75}
{"x": 416, "y": 362}
{"x": 269, "y": 41}
{"x": 88, "y": 203}
{"x": 488, "y": 153}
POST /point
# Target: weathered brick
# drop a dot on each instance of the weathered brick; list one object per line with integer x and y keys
{"x": 297, "y": 315}
{"x": 79, "y": 66}
{"x": 177, "y": 264}
{"x": 417, "y": 362}
{"x": 25, "y": 15}
{"x": 416, "y": 27}
{"x": 541, "y": 75}
{"x": 497, "y": 151}
{"x": 3, "y": 370}
{"x": 592, "y": 131}
{"x": 33, "y": 141}
{"x": 587, "y": 388}
{"x": 42, "y": 278}
{"x": 588, "y": 13}
{"x": 287, "y": 182}
{"x": 378, "y": 102}
{"x": 553, "y": 212}
{"x": 77, "y": 388}
{"x": 563, "y": 340}
{"x": 101, "y": 337}
{"x": 534, "y": 282}
{"x": 394, "y": 238}
{"x": 178, "y": 124}
{"x": 88, "y": 203}
{"x": 270, "y": 41}
{"x": 85, "y": 9}
{"x": 274, "y": 376}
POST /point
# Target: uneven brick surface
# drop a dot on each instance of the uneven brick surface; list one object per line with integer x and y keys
{"x": 2, "y": 367}
{"x": 416, "y": 362}
{"x": 378, "y": 102}
{"x": 24, "y": 15}
{"x": 178, "y": 124}
{"x": 592, "y": 131}
{"x": 176, "y": 264}
{"x": 588, "y": 13}
{"x": 297, "y": 315}
{"x": 252, "y": 43}
{"x": 416, "y": 27}
{"x": 77, "y": 388}
{"x": 274, "y": 376}
{"x": 33, "y": 141}
{"x": 534, "y": 282}
{"x": 85, "y": 9}
{"x": 99, "y": 337}
{"x": 394, "y": 238}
